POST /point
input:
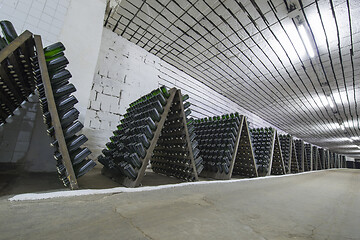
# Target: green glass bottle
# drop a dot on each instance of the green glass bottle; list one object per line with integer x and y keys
{"x": 164, "y": 91}
{"x": 8, "y": 30}
{"x": 54, "y": 49}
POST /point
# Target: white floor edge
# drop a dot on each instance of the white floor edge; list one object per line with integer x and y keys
{"x": 84, "y": 192}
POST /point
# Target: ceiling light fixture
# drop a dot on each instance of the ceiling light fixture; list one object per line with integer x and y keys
{"x": 304, "y": 36}
{"x": 330, "y": 101}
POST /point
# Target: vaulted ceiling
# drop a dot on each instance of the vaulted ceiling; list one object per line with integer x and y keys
{"x": 293, "y": 63}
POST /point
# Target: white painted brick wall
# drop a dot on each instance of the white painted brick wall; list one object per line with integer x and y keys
{"x": 126, "y": 72}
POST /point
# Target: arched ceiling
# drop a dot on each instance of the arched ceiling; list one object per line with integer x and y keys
{"x": 299, "y": 70}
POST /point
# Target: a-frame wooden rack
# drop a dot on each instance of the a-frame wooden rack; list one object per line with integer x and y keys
{"x": 308, "y": 157}
{"x": 277, "y": 166}
{"x": 245, "y": 165}
{"x": 170, "y": 152}
{"x": 19, "y": 80}
{"x": 59, "y": 135}
{"x": 209, "y": 129}
{"x": 299, "y": 149}
{"x": 273, "y": 161}
{"x": 289, "y": 153}
{"x": 294, "y": 164}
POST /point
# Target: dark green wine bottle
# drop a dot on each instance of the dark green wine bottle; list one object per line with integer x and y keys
{"x": 8, "y": 30}
{"x": 57, "y": 64}
{"x": 48, "y": 59}
{"x": 54, "y": 49}
{"x": 3, "y": 43}
{"x": 73, "y": 143}
{"x": 64, "y": 90}
{"x": 84, "y": 167}
{"x": 164, "y": 91}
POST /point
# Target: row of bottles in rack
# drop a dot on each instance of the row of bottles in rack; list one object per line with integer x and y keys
{"x": 68, "y": 115}
{"x": 217, "y": 138}
{"x": 129, "y": 144}
{"x": 17, "y": 73}
{"x": 262, "y": 141}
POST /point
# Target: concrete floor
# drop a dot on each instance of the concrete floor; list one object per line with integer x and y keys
{"x": 318, "y": 205}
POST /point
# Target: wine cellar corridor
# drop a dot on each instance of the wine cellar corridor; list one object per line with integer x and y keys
{"x": 169, "y": 119}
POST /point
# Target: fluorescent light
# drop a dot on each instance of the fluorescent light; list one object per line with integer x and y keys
{"x": 330, "y": 101}
{"x": 342, "y": 126}
{"x": 355, "y": 138}
{"x": 306, "y": 40}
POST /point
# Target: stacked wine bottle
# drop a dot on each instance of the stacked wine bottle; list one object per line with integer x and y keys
{"x": 124, "y": 154}
{"x": 308, "y": 157}
{"x": 217, "y": 138}
{"x": 262, "y": 140}
{"x": 245, "y": 165}
{"x": 176, "y": 153}
{"x": 285, "y": 143}
{"x": 299, "y": 147}
{"x": 17, "y": 71}
{"x": 68, "y": 115}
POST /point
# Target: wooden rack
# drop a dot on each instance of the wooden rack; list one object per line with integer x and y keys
{"x": 222, "y": 175}
{"x": 174, "y": 109}
{"x": 308, "y": 157}
{"x": 289, "y": 154}
{"x": 277, "y": 166}
{"x": 16, "y": 74}
{"x": 245, "y": 165}
{"x": 299, "y": 147}
{"x": 54, "y": 113}
{"x": 294, "y": 164}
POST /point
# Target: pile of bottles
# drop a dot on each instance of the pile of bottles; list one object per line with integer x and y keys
{"x": 172, "y": 155}
{"x": 262, "y": 140}
{"x": 124, "y": 154}
{"x": 299, "y": 147}
{"x": 17, "y": 79}
{"x": 217, "y": 137}
{"x": 308, "y": 157}
{"x": 62, "y": 91}
{"x": 285, "y": 144}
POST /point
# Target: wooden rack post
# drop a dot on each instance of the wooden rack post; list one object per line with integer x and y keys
{"x": 54, "y": 113}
